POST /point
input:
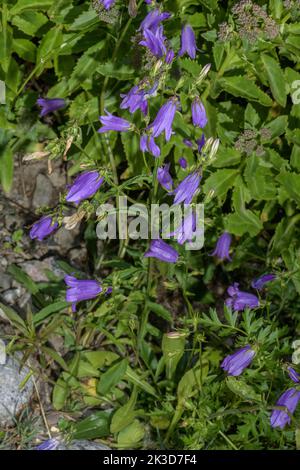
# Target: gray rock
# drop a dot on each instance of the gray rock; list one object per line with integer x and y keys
{"x": 81, "y": 445}
{"x": 43, "y": 193}
{"x": 5, "y": 281}
{"x": 37, "y": 269}
{"x": 12, "y": 398}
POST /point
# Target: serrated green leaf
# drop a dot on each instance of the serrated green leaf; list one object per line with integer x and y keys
{"x": 244, "y": 87}
{"x": 276, "y": 78}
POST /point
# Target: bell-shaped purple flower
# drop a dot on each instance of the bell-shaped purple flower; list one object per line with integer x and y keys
{"x": 169, "y": 56}
{"x": 186, "y": 189}
{"x": 107, "y": 3}
{"x": 84, "y": 186}
{"x": 135, "y": 99}
{"x": 289, "y": 399}
{"x": 155, "y": 42}
{"x": 260, "y": 282}
{"x": 113, "y": 123}
{"x": 198, "y": 114}
{"x": 49, "y": 105}
{"x": 182, "y": 162}
{"x": 164, "y": 119}
{"x": 42, "y": 228}
{"x": 153, "y": 20}
{"x": 148, "y": 144}
{"x": 187, "y": 228}
{"x": 293, "y": 375}
{"x": 200, "y": 143}
{"x": 50, "y": 444}
{"x": 235, "y": 363}
{"x": 164, "y": 177}
{"x": 188, "y": 42}
{"x": 81, "y": 290}
{"x": 240, "y": 300}
{"x": 221, "y": 250}
{"x": 188, "y": 143}
{"x": 162, "y": 251}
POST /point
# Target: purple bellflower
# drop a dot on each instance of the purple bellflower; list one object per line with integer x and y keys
{"x": 186, "y": 189}
{"x": 147, "y": 144}
{"x": 162, "y": 251}
{"x": 221, "y": 250}
{"x": 164, "y": 177}
{"x": 84, "y": 186}
{"x": 155, "y": 42}
{"x": 188, "y": 42}
{"x": 182, "y": 162}
{"x": 293, "y": 375}
{"x": 50, "y": 444}
{"x": 200, "y": 142}
{"x": 260, "y": 282}
{"x": 289, "y": 399}
{"x": 235, "y": 363}
{"x": 108, "y": 3}
{"x": 186, "y": 230}
{"x": 42, "y": 228}
{"x": 81, "y": 290}
{"x": 153, "y": 20}
{"x": 164, "y": 119}
{"x": 49, "y": 105}
{"x": 135, "y": 99}
{"x": 170, "y": 56}
{"x": 198, "y": 114}
{"x": 240, "y": 300}
{"x": 188, "y": 143}
{"x": 113, "y": 123}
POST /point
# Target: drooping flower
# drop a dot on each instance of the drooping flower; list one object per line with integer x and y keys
{"x": 42, "y": 228}
{"x": 135, "y": 99}
{"x": 186, "y": 229}
{"x": 148, "y": 144}
{"x": 198, "y": 114}
{"x": 49, "y": 105}
{"x": 50, "y": 444}
{"x": 221, "y": 250}
{"x": 153, "y": 20}
{"x": 200, "y": 142}
{"x": 290, "y": 399}
{"x": 107, "y": 3}
{"x": 240, "y": 300}
{"x": 182, "y": 162}
{"x": 164, "y": 119}
{"x": 188, "y": 42}
{"x": 113, "y": 123}
{"x": 169, "y": 56}
{"x": 188, "y": 143}
{"x": 162, "y": 251}
{"x": 293, "y": 375}
{"x": 81, "y": 290}
{"x": 155, "y": 42}
{"x": 260, "y": 282}
{"x": 186, "y": 189}
{"x": 164, "y": 177}
{"x": 84, "y": 186}
{"x": 235, "y": 363}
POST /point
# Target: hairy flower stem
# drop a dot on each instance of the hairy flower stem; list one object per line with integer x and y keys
{"x": 114, "y": 55}
{"x": 145, "y": 313}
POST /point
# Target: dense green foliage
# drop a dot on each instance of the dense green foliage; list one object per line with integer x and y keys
{"x": 144, "y": 387}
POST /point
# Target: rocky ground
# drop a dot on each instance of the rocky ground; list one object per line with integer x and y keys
{"x": 22, "y": 400}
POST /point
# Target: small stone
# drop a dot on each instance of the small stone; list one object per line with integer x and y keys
{"x": 43, "y": 193}
{"x": 13, "y": 398}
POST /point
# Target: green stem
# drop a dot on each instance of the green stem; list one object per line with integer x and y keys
{"x": 114, "y": 55}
